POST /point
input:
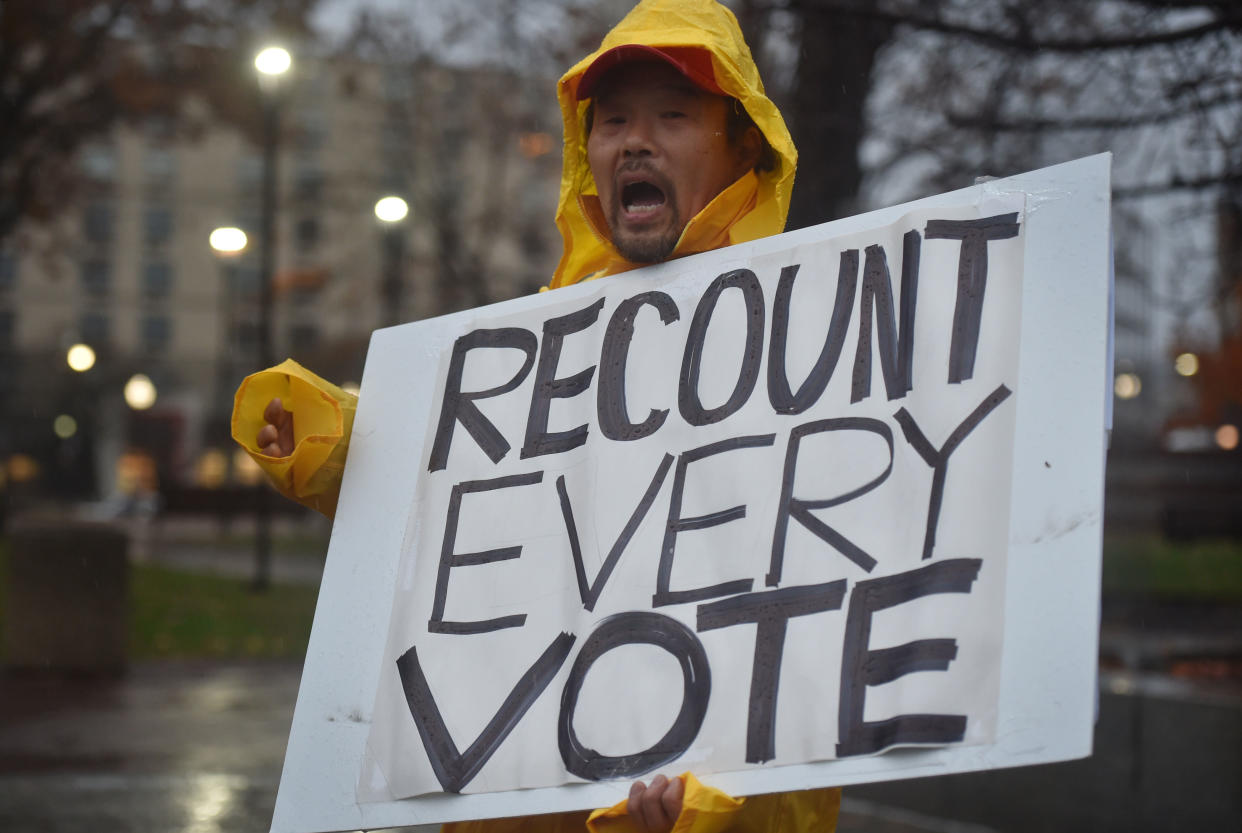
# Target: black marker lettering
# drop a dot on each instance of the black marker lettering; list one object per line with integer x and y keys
{"x": 587, "y": 590}
{"x": 676, "y": 523}
{"x": 688, "y": 401}
{"x": 862, "y": 666}
{"x": 548, "y": 387}
{"x": 454, "y": 769}
{"x": 636, "y": 628}
{"x": 783, "y": 400}
{"x": 972, "y": 281}
{"x": 614, "y": 418}
{"x": 450, "y": 559}
{"x": 938, "y": 459}
{"x": 800, "y": 510}
{"x": 896, "y": 345}
{"x": 459, "y": 407}
{"x": 771, "y": 610}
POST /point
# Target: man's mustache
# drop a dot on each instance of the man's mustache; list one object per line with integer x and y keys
{"x": 649, "y": 173}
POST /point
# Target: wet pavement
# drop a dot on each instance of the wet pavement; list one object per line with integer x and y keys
{"x": 189, "y": 746}
{"x": 199, "y": 746}
{"x": 173, "y": 746}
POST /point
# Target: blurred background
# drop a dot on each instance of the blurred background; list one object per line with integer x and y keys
{"x": 191, "y": 190}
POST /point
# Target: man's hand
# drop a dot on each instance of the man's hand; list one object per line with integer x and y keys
{"x": 276, "y": 438}
{"x": 654, "y": 809}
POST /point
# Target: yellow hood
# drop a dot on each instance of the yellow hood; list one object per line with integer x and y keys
{"x": 753, "y": 207}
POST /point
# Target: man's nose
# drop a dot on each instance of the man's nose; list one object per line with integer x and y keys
{"x": 638, "y": 141}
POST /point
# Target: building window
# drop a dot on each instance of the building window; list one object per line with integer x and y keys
{"x": 95, "y": 328}
{"x": 311, "y": 130}
{"x": 97, "y": 222}
{"x": 159, "y": 166}
{"x": 158, "y": 225}
{"x": 157, "y": 278}
{"x": 303, "y": 337}
{"x": 98, "y": 162}
{"x": 156, "y": 333}
{"x": 96, "y": 277}
{"x": 8, "y": 324}
{"x": 160, "y": 128}
{"x": 246, "y": 336}
{"x": 306, "y": 232}
{"x": 308, "y": 183}
{"x": 243, "y": 281}
{"x": 8, "y": 270}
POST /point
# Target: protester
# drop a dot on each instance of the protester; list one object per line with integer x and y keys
{"x": 671, "y": 148}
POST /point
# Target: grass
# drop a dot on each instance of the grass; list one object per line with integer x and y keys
{"x": 1150, "y": 566}
{"x": 175, "y": 614}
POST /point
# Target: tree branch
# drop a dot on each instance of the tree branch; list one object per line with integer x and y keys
{"x": 1176, "y": 184}
{"x": 970, "y": 121}
{"x": 1023, "y": 41}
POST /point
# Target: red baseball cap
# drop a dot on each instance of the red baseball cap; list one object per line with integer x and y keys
{"x": 691, "y": 61}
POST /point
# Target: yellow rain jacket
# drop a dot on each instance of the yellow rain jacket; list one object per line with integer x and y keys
{"x": 753, "y": 207}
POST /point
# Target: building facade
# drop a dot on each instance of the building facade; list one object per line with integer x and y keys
{"x": 128, "y": 269}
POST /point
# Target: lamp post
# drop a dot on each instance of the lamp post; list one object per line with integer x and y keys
{"x": 227, "y": 243}
{"x": 390, "y": 211}
{"x": 272, "y": 63}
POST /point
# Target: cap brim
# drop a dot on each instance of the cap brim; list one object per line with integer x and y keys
{"x": 693, "y": 62}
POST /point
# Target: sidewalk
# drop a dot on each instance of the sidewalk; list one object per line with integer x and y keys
{"x": 190, "y": 746}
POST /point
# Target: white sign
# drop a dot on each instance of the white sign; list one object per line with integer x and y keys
{"x": 755, "y": 514}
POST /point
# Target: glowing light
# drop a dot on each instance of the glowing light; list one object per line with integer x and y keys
{"x": 227, "y": 240}
{"x": 245, "y": 469}
{"x": 139, "y": 392}
{"x": 534, "y": 145}
{"x": 80, "y": 358}
{"x": 1227, "y": 437}
{"x": 273, "y": 61}
{"x": 212, "y": 469}
{"x": 64, "y": 426}
{"x": 351, "y": 387}
{"x": 1127, "y": 385}
{"x": 1186, "y": 364}
{"x": 391, "y": 209}
{"x": 22, "y": 468}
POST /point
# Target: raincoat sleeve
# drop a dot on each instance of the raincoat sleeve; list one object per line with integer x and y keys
{"x": 323, "y": 416}
{"x": 704, "y": 810}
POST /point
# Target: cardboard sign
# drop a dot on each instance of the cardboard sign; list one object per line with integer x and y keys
{"x": 755, "y": 513}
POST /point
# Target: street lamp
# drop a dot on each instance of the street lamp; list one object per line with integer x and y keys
{"x": 80, "y": 358}
{"x": 140, "y": 392}
{"x": 272, "y": 63}
{"x": 227, "y": 241}
{"x": 390, "y": 211}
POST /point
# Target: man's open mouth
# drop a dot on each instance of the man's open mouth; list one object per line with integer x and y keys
{"x": 641, "y": 198}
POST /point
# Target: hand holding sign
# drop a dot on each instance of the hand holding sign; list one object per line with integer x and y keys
{"x": 655, "y": 808}
{"x": 275, "y": 439}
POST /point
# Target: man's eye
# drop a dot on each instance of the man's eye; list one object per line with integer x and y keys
{"x": 673, "y": 114}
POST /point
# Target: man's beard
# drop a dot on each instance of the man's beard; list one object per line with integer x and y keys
{"x": 647, "y": 248}
{"x": 646, "y": 245}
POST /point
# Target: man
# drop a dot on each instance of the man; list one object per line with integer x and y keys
{"x": 671, "y": 148}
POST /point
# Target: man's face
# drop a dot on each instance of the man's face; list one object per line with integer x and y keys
{"x": 659, "y": 153}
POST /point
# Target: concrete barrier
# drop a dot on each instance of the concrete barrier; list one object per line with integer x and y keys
{"x": 67, "y": 596}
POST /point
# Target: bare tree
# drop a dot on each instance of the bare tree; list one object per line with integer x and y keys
{"x": 72, "y": 69}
